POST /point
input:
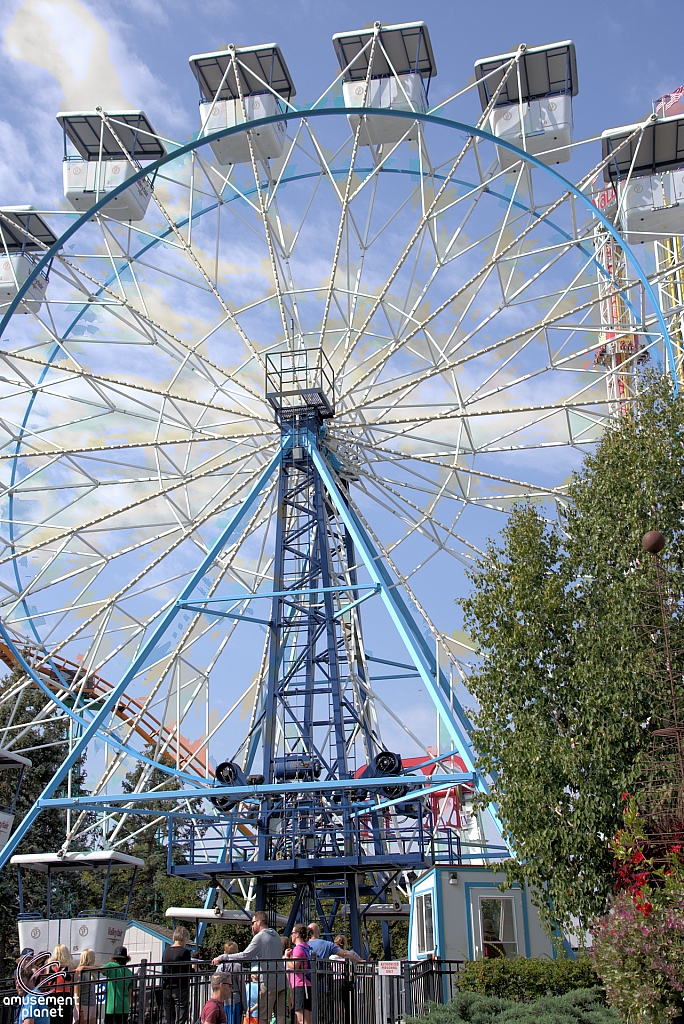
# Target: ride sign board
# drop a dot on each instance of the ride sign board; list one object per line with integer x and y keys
{"x": 6, "y": 822}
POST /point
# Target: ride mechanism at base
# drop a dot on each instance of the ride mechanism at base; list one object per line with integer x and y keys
{"x": 309, "y": 812}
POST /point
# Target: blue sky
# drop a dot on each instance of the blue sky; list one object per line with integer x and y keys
{"x": 58, "y": 52}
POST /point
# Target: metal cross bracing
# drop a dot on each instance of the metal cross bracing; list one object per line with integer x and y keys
{"x": 311, "y": 707}
{"x": 623, "y": 352}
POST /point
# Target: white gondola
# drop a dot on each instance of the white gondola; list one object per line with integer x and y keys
{"x": 534, "y": 109}
{"x": 103, "y": 163}
{"x": 101, "y": 930}
{"x": 403, "y": 64}
{"x": 19, "y": 253}
{"x": 264, "y": 80}
{"x": 648, "y": 172}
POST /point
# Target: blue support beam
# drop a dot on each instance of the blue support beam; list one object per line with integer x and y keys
{"x": 453, "y": 716}
{"x": 257, "y": 792}
{"x": 288, "y": 593}
{"x": 238, "y": 520}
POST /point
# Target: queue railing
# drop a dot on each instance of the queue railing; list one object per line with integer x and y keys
{"x": 334, "y": 992}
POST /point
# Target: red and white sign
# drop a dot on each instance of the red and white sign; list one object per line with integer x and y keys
{"x": 389, "y": 968}
{"x": 604, "y": 199}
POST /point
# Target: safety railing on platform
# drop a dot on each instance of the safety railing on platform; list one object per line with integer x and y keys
{"x": 322, "y": 992}
{"x": 304, "y": 832}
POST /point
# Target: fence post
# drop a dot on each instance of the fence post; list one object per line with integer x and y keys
{"x": 314, "y": 989}
{"x": 142, "y": 991}
{"x": 407, "y": 1009}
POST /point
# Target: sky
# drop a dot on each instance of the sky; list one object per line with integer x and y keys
{"x": 59, "y": 54}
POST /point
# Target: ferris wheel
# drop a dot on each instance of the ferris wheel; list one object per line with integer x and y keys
{"x": 272, "y": 390}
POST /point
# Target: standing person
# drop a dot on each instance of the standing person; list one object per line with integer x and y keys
{"x": 343, "y": 984}
{"x": 324, "y": 948}
{"x": 341, "y": 942}
{"x": 237, "y": 1002}
{"x": 58, "y": 985}
{"x": 212, "y": 1011}
{"x": 176, "y": 964}
{"x": 85, "y": 988}
{"x": 30, "y": 999}
{"x": 119, "y": 982}
{"x": 300, "y": 973}
{"x": 266, "y": 948}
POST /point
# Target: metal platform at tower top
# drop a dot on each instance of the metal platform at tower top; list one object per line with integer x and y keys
{"x": 300, "y": 382}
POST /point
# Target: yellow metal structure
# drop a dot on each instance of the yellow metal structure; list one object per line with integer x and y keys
{"x": 668, "y": 254}
{"x": 621, "y": 349}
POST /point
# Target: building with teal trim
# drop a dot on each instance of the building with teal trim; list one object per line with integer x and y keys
{"x": 460, "y": 913}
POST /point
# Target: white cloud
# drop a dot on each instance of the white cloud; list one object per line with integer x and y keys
{"x": 64, "y": 38}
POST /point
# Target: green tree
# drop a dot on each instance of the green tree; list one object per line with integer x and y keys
{"x": 567, "y": 681}
{"x": 44, "y": 744}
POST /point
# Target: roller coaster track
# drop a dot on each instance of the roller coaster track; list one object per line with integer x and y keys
{"x": 129, "y": 710}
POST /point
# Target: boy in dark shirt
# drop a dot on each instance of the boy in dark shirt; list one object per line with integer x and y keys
{"x": 176, "y": 978}
{"x": 213, "y": 1011}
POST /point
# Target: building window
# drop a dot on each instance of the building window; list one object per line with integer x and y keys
{"x": 497, "y": 924}
{"x": 424, "y": 923}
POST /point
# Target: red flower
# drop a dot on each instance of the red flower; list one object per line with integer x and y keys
{"x": 637, "y": 857}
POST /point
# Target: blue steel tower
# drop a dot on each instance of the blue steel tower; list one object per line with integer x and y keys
{"x": 323, "y": 827}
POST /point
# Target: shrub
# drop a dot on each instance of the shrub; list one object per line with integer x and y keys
{"x": 639, "y": 950}
{"x": 639, "y": 944}
{"x": 526, "y": 979}
{"x": 583, "y": 1006}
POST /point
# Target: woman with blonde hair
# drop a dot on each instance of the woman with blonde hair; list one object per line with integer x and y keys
{"x": 63, "y": 956}
{"x": 59, "y": 985}
{"x": 85, "y": 987}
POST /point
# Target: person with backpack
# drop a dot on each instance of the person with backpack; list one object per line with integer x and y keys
{"x": 300, "y": 973}
{"x": 221, "y": 989}
{"x": 58, "y": 985}
{"x": 237, "y": 1003}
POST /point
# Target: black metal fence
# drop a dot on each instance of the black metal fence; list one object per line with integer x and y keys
{"x": 322, "y": 992}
